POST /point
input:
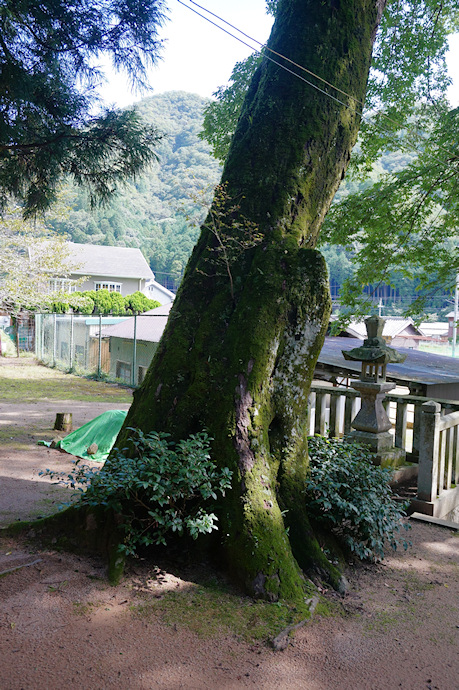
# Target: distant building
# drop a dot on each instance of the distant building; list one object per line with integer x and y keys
{"x": 436, "y": 330}
{"x": 397, "y": 332}
{"x": 117, "y": 269}
{"x": 133, "y": 342}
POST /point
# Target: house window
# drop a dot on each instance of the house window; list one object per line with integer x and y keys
{"x": 123, "y": 371}
{"x": 61, "y": 285}
{"x": 141, "y": 374}
{"x": 79, "y": 354}
{"x": 111, "y": 287}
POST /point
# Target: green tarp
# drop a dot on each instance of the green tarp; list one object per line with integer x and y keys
{"x": 102, "y": 430}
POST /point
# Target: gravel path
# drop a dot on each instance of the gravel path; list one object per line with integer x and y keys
{"x": 62, "y": 625}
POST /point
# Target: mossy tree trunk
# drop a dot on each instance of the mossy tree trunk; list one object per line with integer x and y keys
{"x": 243, "y": 337}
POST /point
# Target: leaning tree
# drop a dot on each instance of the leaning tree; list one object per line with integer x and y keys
{"x": 238, "y": 354}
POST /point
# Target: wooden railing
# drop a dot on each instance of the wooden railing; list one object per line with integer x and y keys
{"x": 332, "y": 410}
{"x": 428, "y": 430}
{"x": 439, "y": 454}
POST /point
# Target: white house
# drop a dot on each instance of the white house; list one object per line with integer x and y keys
{"x": 117, "y": 269}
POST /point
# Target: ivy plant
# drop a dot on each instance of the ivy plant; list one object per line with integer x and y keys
{"x": 352, "y": 496}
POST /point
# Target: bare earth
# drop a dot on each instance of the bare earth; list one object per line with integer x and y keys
{"x": 63, "y": 626}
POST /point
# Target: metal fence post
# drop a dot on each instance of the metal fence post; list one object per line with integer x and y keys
{"x": 99, "y": 354}
{"x": 54, "y": 338}
{"x": 71, "y": 342}
{"x": 134, "y": 353}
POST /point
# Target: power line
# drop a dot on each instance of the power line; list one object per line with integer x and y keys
{"x": 265, "y": 48}
{"x": 314, "y": 86}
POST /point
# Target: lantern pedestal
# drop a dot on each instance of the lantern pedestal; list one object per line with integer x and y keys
{"x": 371, "y": 425}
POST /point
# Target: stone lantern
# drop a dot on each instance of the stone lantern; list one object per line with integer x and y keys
{"x": 371, "y": 425}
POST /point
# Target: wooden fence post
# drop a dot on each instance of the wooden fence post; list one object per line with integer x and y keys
{"x": 428, "y": 451}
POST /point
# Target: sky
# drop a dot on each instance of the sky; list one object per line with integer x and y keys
{"x": 198, "y": 57}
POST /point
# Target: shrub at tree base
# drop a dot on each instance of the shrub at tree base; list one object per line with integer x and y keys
{"x": 165, "y": 488}
{"x": 351, "y": 495}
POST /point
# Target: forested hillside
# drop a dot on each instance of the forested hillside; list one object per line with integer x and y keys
{"x": 157, "y": 212}
{"x": 160, "y": 212}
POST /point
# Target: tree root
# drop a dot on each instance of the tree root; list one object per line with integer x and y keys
{"x": 281, "y": 641}
{"x": 18, "y": 567}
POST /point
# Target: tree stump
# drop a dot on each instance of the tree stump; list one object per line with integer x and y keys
{"x": 63, "y": 421}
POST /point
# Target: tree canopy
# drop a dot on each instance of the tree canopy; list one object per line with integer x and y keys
{"x": 49, "y": 54}
{"x": 406, "y": 223}
{"x": 28, "y": 264}
{"x": 409, "y": 219}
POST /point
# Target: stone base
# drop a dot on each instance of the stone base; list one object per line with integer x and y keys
{"x": 382, "y": 445}
{"x": 404, "y": 474}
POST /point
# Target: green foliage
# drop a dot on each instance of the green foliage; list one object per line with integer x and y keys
{"x": 118, "y": 304}
{"x": 405, "y": 224}
{"x": 351, "y": 495}
{"x": 30, "y": 257}
{"x": 406, "y": 87}
{"x": 81, "y": 302}
{"x": 48, "y": 81}
{"x": 164, "y": 488}
{"x": 408, "y": 81}
{"x": 137, "y": 303}
{"x": 155, "y": 212}
{"x": 103, "y": 302}
{"x": 234, "y": 234}
{"x": 221, "y": 115}
{"x": 395, "y": 232}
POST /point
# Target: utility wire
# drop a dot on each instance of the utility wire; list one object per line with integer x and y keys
{"x": 287, "y": 69}
{"x": 265, "y": 48}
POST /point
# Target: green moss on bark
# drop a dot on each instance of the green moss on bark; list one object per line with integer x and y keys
{"x": 237, "y": 357}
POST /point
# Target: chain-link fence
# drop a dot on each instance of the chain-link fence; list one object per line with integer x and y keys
{"x": 113, "y": 348}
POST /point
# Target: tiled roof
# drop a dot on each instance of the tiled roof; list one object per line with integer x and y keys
{"x": 392, "y": 328}
{"x": 120, "y": 262}
{"x": 149, "y": 328}
{"x": 434, "y": 328}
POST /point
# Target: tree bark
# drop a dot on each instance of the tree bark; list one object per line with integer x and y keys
{"x": 239, "y": 351}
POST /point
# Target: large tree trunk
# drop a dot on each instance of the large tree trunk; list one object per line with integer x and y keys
{"x": 248, "y": 323}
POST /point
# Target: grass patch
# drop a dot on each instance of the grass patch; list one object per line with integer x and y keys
{"x": 383, "y": 621}
{"x": 84, "y": 608}
{"x": 26, "y": 381}
{"x": 413, "y": 584}
{"x": 211, "y": 609}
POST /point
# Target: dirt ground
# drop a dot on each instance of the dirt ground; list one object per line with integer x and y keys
{"x": 62, "y": 625}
